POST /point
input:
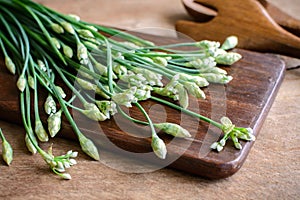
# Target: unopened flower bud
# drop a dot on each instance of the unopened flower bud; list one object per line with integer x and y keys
{"x": 67, "y": 51}
{"x": 68, "y": 27}
{"x": 29, "y": 144}
{"x": 31, "y": 82}
{"x": 54, "y": 123}
{"x": 56, "y": 42}
{"x": 74, "y": 17}
{"x": 21, "y": 83}
{"x": 159, "y": 147}
{"x": 7, "y": 152}
{"x": 85, "y": 84}
{"x": 50, "y": 105}
{"x": 42, "y": 65}
{"x": 182, "y": 95}
{"x": 92, "y": 112}
{"x": 85, "y": 33}
{"x": 10, "y": 65}
{"x": 60, "y": 91}
{"x": 88, "y": 147}
{"x": 228, "y": 58}
{"x": 40, "y": 131}
{"x": 194, "y": 90}
{"x": 82, "y": 54}
{"x": 216, "y": 78}
{"x": 173, "y": 129}
{"x": 57, "y": 28}
{"x": 230, "y": 43}
{"x": 66, "y": 176}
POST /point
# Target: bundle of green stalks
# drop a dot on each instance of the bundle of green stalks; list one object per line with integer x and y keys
{"x": 43, "y": 47}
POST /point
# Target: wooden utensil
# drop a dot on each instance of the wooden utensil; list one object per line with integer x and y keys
{"x": 247, "y": 19}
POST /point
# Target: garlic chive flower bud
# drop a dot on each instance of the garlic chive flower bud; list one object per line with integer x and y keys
{"x": 54, "y": 123}
{"x": 216, "y": 78}
{"x": 208, "y": 62}
{"x": 68, "y": 27}
{"x": 92, "y": 112}
{"x": 50, "y": 105}
{"x": 125, "y": 98}
{"x": 10, "y": 65}
{"x": 40, "y": 131}
{"x": 230, "y": 43}
{"x": 200, "y": 81}
{"x": 82, "y": 54}
{"x": 85, "y": 33}
{"x": 143, "y": 92}
{"x": 31, "y": 82}
{"x": 74, "y": 17}
{"x": 42, "y": 65}
{"x": 108, "y": 108}
{"x": 88, "y": 147}
{"x": 159, "y": 147}
{"x": 173, "y": 129}
{"x": 85, "y": 84}
{"x": 57, "y": 28}
{"x": 160, "y": 60}
{"x": 21, "y": 83}
{"x": 61, "y": 91}
{"x": 152, "y": 78}
{"x": 29, "y": 144}
{"x": 228, "y": 58}
{"x": 67, "y": 51}
{"x": 56, "y": 42}
{"x": 182, "y": 95}
{"x": 194, "y": 90}
{"x": 66, "y": 176}
{"x": 7, "y": 151}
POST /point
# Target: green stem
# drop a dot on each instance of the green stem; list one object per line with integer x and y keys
{"x": 191, "y": 113}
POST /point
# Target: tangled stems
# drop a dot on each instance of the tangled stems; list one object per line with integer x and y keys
{"x": 48, "y": 47}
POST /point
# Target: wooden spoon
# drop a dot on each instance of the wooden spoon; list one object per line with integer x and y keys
{"x": 247, "y": 19}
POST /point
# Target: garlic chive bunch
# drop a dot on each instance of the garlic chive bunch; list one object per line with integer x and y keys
{"x": 60, "y": 54}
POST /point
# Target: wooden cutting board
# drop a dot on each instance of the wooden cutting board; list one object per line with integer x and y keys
{"x": 246, "y": 100}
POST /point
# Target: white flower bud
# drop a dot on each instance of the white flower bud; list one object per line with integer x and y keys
{"x": 92, "y": 112}
{"x": 68, "y": 27}
{"x": 50, "y": 105}
{"x": 7, "y": 152}
{"x": 29, "y": 144}
{"x": 230, "y": 43}
{"x": 74, "y": 17}
{"x": 125, "y": 98}
{"x": 66, "y": 176}
{"x": 86, "y": 84}
{"x": 10, "y": 65}
{"x": 31, "y": 82}
{"x": 67, "y": 51}
{"x": 159, "y": 147}
{"x": 57, "y": 28}
{"x": 55, "y": 42}
{"x": 228, "y": 58}
{"x": 54, "y": 123}
{"x": 88, "y": 147}
{"x": 72, "y": 161}
{"x": 40, "y": 131}
{"x": 74, "y": 154}
{"x": 21, "y": 83}
{"x": 61, "y": 91}
{"x": 42, "y": 65}
{"x": 173, "y": 129}
{"x": 85, "y": 33}
{"x": 82, "y": 54}
{"x": 216, "y": 78}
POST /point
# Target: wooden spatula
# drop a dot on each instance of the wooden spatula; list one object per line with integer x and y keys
{"x": 247, "y": 19}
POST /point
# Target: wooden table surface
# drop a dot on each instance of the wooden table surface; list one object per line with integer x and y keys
{"x": 271, "y": 171}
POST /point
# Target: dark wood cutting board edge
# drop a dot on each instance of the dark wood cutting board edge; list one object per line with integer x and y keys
{"x": 249, "y": 97}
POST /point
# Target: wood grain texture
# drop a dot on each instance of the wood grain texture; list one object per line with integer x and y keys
{"x": 250, "y": 21}
{"x": 246, "y": 100}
